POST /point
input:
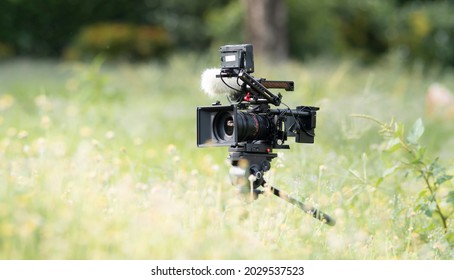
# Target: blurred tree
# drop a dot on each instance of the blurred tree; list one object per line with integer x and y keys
{"x": 266, "y": 27}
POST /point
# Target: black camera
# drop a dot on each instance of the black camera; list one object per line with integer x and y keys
{"x": 249, "y": 126}
{"x": 249, "y": 121}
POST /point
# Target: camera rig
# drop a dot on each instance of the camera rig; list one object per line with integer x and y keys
{"x": 251, "y": 128}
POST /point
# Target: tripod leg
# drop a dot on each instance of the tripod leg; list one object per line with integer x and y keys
{"x": 309, "y": 210}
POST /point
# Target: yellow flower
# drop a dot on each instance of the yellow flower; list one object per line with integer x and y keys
{"x": 6, "y": 101}
{"x": 22, "y": 134}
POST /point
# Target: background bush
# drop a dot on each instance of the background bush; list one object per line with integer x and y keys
{"x": 45, "y": 28}
{"x": 419, "y": 31}
{"x": 424, "y": 32}
{"x": 120, "y": 41}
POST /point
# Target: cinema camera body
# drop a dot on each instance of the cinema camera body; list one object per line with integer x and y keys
{"x": 249, "y": 123}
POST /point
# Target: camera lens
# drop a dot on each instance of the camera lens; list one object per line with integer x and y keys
{"x": 252, "y": 126}
{"x": 223, "y": 126}
{"x": 248, "y": 127}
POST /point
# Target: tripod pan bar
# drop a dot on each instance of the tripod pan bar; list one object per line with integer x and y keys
{"x": 309, "y": 210}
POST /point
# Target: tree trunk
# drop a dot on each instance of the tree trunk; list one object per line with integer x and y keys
{"x": 266, "y": 28}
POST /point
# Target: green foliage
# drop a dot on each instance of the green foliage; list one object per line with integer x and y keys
{"x": 116, "y": 41}
{"x": 419, "y": 31}
{"x": 405, "y": 153}
{"x": 338, "y": 28}
{"x": 45, "y": 28}
{"x": 226, "y": 24}
{"x": 424, "y": 33}
{"x": 361, "y": 27}
{"x": 5, "y": 50}
{"x": 349, "y": 27}
{"x": 187, "y": 20}
{"x": 312, "y": 29}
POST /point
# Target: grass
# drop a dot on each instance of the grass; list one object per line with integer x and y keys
{"x": 99, "y": 161}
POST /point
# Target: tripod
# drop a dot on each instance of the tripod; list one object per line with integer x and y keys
{"x": 251, "y": 161}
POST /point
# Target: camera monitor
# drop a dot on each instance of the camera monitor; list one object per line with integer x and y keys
{"x": 237, "y": 57}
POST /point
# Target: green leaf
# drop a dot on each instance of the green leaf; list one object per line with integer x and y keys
{"x": 423, "y": 194}
{"x": 356, "y": 174}
{"x": 420, "y": 152}
{"x": 426, "y": 210}
{"x": 434, "y": 167}
{"x": 379, "y": 181}
{"x": 393, "y": 144}
{"x": 450, "y": 198}
{"x": 399, "y": 129}
{"x": 450, "y": 238}
{"x": 390, "y": 170}
{"x": 416, "y": 132}
{"x": 443, "y": 178}
{"x": 429, "y": 208}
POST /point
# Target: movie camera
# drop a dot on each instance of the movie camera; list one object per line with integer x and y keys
{"x": 253, "y": 124}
